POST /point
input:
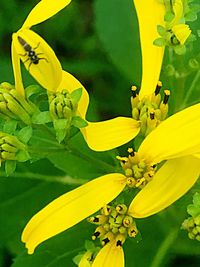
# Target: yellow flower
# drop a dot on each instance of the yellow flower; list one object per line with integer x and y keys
{"x": 176, "y": 140}
{"x": 150, "y": 14}
{"x": 42, "y": 63}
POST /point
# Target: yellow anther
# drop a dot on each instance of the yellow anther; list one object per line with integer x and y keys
{"x": 120, "y": 239}
{"x": 130, "y": 182}
{"x": 107, "y": 238}
{"x": 140, "y": 182}
{"x": 132, "y": 231}
{"x": 106, "y": 210}
{"x": 166, "y": 97}
{"x": 122, "y": 159}
{"x": 133, "y": 88}
{"x": 121, "y": 209}
{"x": 100, "y": 231}
{"x": 128, "y": 220}
{"x": 159, "y": 84}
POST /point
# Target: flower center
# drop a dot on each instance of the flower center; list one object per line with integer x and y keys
{"x": 151, "y": 110}
{"x": 114, "y": 223}
{"x": 137, "y": 171}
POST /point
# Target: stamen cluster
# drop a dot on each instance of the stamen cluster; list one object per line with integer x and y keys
{"x": 9, "y": 147}
{"x": 137, "y": 171}
{"x": 114, "y": 223}
{"x": 150, "y": 111}
{"x": 61, "y": 105}
{"x": 192, "y": 225}
{"x": 13, "y": 105}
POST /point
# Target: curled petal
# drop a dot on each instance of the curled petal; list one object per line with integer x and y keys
{"x": 182, "y": 32}
{"x": 47, "y": 70}
{"x": 177, "y": 136}
{"x": 44, "y": 10}
{"x": 105, "y": 135}
{"x": 17, "y": 70}
{"x": 71, "y": 208}
{"x": 70, "y": 83}
{"x": 110, "y": 256}
{"x": 171, "y": 182}
{"x": 150, "y": 14}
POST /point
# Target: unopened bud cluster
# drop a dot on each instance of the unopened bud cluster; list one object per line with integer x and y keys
{"x": 13, "y": 105}
{"x": 114, "y": 223}
{"x": 150, "y": 111}
{"x": 61, "y": 105}
{"x": 192, "y": 225}
{"x": 137, "y": 171}
{"x": 9, "y": 147}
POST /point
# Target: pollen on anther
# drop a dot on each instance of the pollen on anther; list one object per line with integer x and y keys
{"x": 158, "y": 87}
{"x": 134, "y": 91}
{"x": 166, "y": 97}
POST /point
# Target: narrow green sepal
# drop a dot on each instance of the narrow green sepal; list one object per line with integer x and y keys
{"x": 32, "y": 90}
{"x": 25, "y": 134}
{"x": 10, "y": 166}
{"x": 194, "y": 209}
{"x": 159, "y": 42}
{"x": 89, "y": 245}
{"x": 42, "y": 117}
{"x": 76, "y": 95}
{"x": 10, "y": 126}
{"x": 61, "y": 127}
{"x": 22, "y": 156}
{"x": 161, "y": 30}
{"x": 169, "y": 16}
{"x": 79, "y": 122}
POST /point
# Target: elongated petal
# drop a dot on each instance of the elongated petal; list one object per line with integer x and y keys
{"x": 44, "y": 10}
{"x": 105, "y": 135}
{"x": 17, "y": 70}
{"x": 110, "y": 256}
{"x": 71, "y": 208}
{"x": 175, "y": 137}
{"x": 171, "y": 182}
{"x": 70, "y": 83}
{"x": 150, "y": 14}
{"x": 47, "y": 70}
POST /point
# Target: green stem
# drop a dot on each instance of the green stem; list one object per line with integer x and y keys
{"x": 190, "y": 90}
{"x": 37, "y": 176}
{"x": 164, "y": 248}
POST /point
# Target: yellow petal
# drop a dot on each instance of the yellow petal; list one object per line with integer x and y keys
{"x": 105, "y": 135}
{"x": 150, "y": 14}
{"x": 70, "y": 83}
{"x": 47, "y": 71}
{"x": 71, "y": 208}
{"x": 171, "y": 182}
{"x": 182, "y": 32}
{"x": 178, "y": 12}
{"x": 44, "y": 10}
{"x": 110, "y": 256}
{"x": 177, "y": 136}
{"x": 17, "y": 70}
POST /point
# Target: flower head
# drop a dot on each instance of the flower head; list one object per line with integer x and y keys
{"x": 170, "y": 182}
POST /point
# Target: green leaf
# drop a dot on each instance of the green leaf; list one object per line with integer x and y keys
{"x": 81, "y": 162}
{"x": 10, "y": 166}
{"x": 32, "y": 90}
{"x": 10, "y": 126}
{"x": 25, "y": 134}
{"x": 41, "y": 117}
{"x": 79, "y": 122}
{"x": 76, "y": 95}
{"x": 117, "y": 27}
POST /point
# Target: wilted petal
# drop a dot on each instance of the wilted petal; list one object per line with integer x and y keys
{"x": 171, "y": 182}
{"x": 150, "y": 14}
{"x": 44, "y": 10}
{"x": 17, "y": 70}
{"x": 71, "y": 208}
{"x": 70, "y": 83}
{"x": 105, "y": 135}
{"x": 110, "y": 256}
{"x": 48, "y": 70}
{"x": 177, "y": 136}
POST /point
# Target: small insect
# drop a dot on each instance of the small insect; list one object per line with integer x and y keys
{"x": 30, "y": 52}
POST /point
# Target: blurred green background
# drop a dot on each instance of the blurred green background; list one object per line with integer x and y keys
{"x": 98, "y": 42}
